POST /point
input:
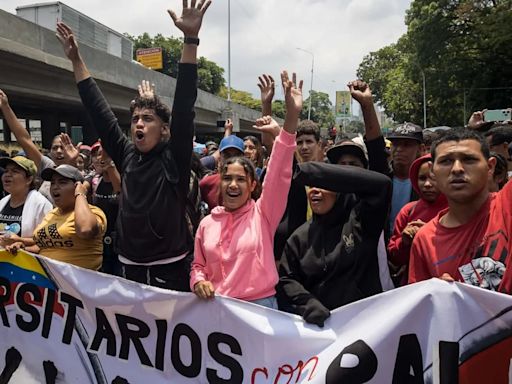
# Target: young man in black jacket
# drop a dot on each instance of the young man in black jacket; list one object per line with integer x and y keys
{"x": 154, "y": 243}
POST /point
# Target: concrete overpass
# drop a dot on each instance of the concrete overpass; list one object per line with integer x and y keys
{"x": 39, "y": 82}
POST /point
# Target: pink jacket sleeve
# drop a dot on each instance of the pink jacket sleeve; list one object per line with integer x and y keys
{"x": 398, "y": 253}
{"x": 197, "y": 270}
{"x": 277, "y": 180}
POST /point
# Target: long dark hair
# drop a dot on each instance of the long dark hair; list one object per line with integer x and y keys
{"x": 249, "y": 169}
{"x": 258, "y": 162}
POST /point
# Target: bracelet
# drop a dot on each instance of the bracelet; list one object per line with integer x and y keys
{"x": 191, "y": 40}
{"x": 80, "y": 194}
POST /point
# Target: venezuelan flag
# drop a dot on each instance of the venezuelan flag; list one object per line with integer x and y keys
{"x": 23, "y": 268}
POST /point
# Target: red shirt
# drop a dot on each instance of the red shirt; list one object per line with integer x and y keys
{"x": 210, "y": 190}
{"x": 477, "y": 252}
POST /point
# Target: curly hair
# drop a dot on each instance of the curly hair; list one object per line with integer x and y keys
{"x": 161, "y": 110}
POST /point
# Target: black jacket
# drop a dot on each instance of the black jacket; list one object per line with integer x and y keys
{"x": 333, "y": 258}
{"x": 378, "y": 162}
{"x": 294, "y": 215}
{"x": 151, "y": 224}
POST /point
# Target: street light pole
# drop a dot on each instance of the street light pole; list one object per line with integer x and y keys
{"x": 312, "y": 72}
{"x": 229, "y": 50}
{"x": 424, "y": 100}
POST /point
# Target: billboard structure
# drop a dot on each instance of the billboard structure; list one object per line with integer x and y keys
{"x": 343, "y": 104}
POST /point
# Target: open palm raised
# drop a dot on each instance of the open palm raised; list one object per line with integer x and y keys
{"x": 292, "y": 93}
{"x": 191, "y": 17}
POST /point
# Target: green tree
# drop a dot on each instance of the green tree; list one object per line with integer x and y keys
{"x": 388, "y": 73}
{"x": 246, "y": 99}
{"x": 321, "y": 109}
{"x": 278, "y": 108}
{"x": 460, "y": 47}
{"x": 242, "y": 98}
{"x": 354, "y": 126}
{"x": 210, "y": 75}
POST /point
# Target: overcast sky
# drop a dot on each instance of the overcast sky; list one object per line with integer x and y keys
{"x": 265, "y": 34}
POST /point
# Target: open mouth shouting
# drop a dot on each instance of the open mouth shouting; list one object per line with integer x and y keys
{"x": 321, "y": 200}
{"x": 139, "y": 136}
{"x": 233, "y": 194}
{"x": 316, "y": 199}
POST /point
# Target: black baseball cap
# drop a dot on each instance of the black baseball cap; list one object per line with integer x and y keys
{"x": 407, "y": 131}
{"x": 64, "y": 170}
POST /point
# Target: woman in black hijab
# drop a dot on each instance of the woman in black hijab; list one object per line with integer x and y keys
{"x": 332, "y": 260}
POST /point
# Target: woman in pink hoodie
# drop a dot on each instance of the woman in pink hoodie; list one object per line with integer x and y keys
{"x": 414, "y": 214}
{"x": 233, "y": 254}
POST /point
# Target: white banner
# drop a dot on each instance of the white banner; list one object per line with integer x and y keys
{"x": 63, "y": 324}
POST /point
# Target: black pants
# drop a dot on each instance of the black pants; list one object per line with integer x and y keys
{"x": 175, "y": 276}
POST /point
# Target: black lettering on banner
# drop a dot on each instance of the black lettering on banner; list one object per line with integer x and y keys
{"x": 161, "y": 336}
{"x": 49, "y": 303}
{"x": 194, "y": 369}
{"x": 237, "y": 373}
{"x": 73, "y": 303}
{"x": 35, "y": 317}
{"x": 50, "y": 372}
{"x": 448, "y": 362}
{"x": 120, "y": 380}
{"x": 361, "y": 373}
{"x": 5, "y": 294}
{"x": 134, "y": 335}
{"x": 103, "y": 332}
{"x": 12, "y": 362}
{"x": 408, "y": 355}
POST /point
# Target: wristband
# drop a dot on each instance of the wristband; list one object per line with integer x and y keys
{"x": 80, "y": 194}
{"x": 191, "y": 40}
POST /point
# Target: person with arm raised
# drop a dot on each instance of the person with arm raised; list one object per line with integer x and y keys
{"x": 154, "y": 242}
{"x": 234, "y": 245}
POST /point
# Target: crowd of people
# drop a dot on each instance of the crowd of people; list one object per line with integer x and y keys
{"x": 284, "y": 221}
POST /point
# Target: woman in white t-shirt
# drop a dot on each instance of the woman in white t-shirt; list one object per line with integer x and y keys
{"x": 24, "y": 208}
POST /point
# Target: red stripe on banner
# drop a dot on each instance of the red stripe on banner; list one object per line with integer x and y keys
{"x": 58, "y": 308}
{"x": 496, "y": 359}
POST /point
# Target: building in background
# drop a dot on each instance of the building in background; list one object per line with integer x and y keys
{"x": 87, "y": 30}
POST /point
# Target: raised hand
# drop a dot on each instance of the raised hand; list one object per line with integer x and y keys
{"x": 292, "y": 93}
{"x": 476, "y": 121}
{"x": 267, "y": 124}
{"x": 67, "y": 39}
{"x": 360, "y": 91}
{"x": 4, "y": 101}
{"x": 70, "y": 152}
{"x": 105, "y": 160}
{"x": 191, "y": 17}
{"x": 267, "y": 88}
{"x": 80, "y": 188}
{"x": 147, "y": 89}
{"x": 228, "y": 128}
